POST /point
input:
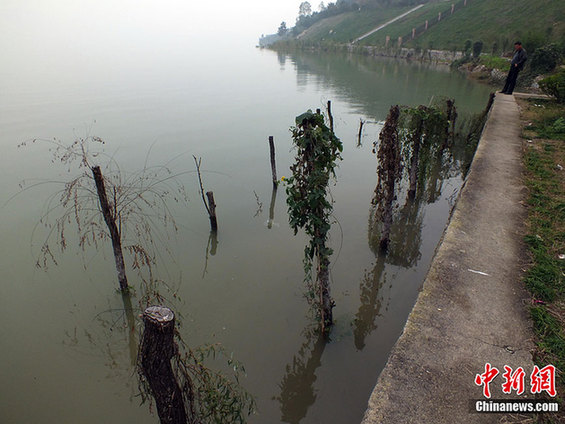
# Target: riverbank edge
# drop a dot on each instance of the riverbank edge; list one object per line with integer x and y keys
{"x": 424, "y": 55}
{"x": 472, "y": 306}
{"x": 473, "y": 69}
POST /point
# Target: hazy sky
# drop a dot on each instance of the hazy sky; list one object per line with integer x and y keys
{"x": 67, "y": 23}
{"x": 62, "y": 38}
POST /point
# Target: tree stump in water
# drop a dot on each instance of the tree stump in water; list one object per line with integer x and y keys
{"x": 157, "y": 349}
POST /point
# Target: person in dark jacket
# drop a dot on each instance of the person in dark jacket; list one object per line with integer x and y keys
{"x": 516, "y": 66}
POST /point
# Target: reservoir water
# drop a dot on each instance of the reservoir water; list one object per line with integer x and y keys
{"x": 67, "y": 352}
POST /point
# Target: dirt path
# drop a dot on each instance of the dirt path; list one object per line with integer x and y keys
{"x": 388, "y": 23}
{"x": 471, "y": 309}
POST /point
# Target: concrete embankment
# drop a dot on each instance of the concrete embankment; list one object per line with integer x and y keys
{"x": 472, "y": 306}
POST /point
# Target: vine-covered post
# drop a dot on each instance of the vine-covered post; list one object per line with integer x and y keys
{"x": 416, "y": 142}
{"x": 318, "y": 150}
{"x": 110, "y": 219}
{"x": 389, "y": 172}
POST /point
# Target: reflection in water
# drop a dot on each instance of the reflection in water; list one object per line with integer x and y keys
{"x": 282, "y": 59}
{"x": 376, "y": 83}
{"x": 114, "y": 337}
{"x": 436, "y": 175}
{"x": 438, "y": 161}
{"x": 406, "y": 235}
{"x": 211, "y": 248}
{"x": 259, "y": 210}
{"x": 130, "y": 319}
{"x": 371, "y": 302}
{"x": 297, "y": 386}
{"x": 272, "y": 207}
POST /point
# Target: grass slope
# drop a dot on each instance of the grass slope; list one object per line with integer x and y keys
{"x": 403, "y": 27}
{"x": 497, "y": 23}
{"x": 348, "y": 26}
{"x": 501, "y": 22}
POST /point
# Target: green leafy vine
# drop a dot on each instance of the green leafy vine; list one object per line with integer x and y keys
{"x": 317, "y": 151}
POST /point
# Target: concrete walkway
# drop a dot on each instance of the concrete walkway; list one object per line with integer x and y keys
{"x": 472, "y": 308}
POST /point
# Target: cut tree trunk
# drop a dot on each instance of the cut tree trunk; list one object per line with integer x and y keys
{"x": 157, "y": 350}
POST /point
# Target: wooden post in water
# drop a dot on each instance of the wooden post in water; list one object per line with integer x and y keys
{"x": 330, "y": 117}
{"x": 360, "y": 134}
{"x": 157, "y": 350}
{"x": 439, "y": 16}
{"x": 399, "y": 41}
{"x": 452, "y": 8}
{"x": 426, "y": 27}
{"x": 210, "y": 205}
{"x": 387, "y": 40}
{"x": 110, "y": 220}
{"x": 273, "y": 164}
{"x": 212, "y": 210}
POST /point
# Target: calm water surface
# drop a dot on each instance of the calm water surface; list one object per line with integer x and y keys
{"x": 67, "y": 355}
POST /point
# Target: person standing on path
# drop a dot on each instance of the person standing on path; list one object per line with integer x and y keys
{"x": 516, "y": 66}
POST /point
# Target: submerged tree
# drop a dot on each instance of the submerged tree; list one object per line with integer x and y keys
{"x": 389, "y": 172}
{"x": 185, "y": 389}
{"x": 412, "y": 139}
{"x": 114, "y": 205}
{"x": 424, "y": 133}
{"x": 318, "y": 150}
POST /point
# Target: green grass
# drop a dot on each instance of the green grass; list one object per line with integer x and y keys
{"x": 348, "y": 26}
{"x": 496, "y": 23}
{"x": 501, "y": 22}
{"x": 551, "y": 337}
{"x": 546, "y": 239}
{"x": 403, "y": 27}
{"x": 498, "y": 62}
{"x": 549, "y": 121}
